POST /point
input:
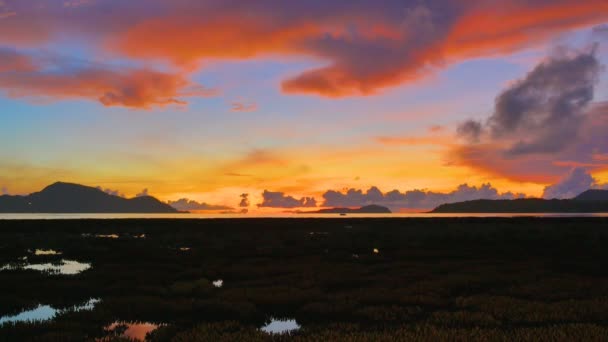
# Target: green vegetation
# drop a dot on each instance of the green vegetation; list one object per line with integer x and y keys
{"x": 458, "y": 279}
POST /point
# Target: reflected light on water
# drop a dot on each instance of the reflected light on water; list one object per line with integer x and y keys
{"x": 46, "y": 312}
{"x": 278, "y": 326}
{"x": 107, "y": 236}
{"x": 132, "y": 330}
{"x": 64, "y": 267}
{"x": 46, "y": 252}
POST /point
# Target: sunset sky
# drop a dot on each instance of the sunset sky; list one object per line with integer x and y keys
{"x": 208, "y": 100}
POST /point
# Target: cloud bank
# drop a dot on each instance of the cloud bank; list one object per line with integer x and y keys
{"x": 413, "y": 199}
{"x": 280, "y": 200}
{"x": 575, "y": 183}
{"x": 544, "y": 124}
{"x": 47, "y": 77}
{"x": 185, "y": 204}
{"x": 362, "y": 47}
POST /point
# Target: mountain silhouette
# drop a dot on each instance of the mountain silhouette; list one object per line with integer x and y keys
{"x": 74, "y": 198}
{"x": 593, "y": 195}
{"x": 590, "y": 201}
{"x": 368, "y": 209}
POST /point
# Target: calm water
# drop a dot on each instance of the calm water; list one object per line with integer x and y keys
{"x": 132, "y": 330}
{"x": 280, "y": 326}
{"x": 279, "y": 215}
{"x": 46, "y": 312}
{"x": 64, "y": 267}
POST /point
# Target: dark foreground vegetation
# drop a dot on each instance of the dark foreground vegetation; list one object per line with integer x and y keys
{"x": 460, "y": 279}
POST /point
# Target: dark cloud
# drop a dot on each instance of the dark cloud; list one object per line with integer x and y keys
{"x": 280, "y": 200}
{"x": 413, "y": 199}
{"x": 470, "y": 130}
{"x": 185, "y": 204}
{"x": 544, "y": 124}
{"x": 244, "y": 203}
{"x": 143, "y": 193}
{"x": 547, "y": 106}
{"x": 111, "y": 192}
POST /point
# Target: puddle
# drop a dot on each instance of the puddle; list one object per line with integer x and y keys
{"x": 46, "y": 252}
{"x": 107, "y": 236}
{"x": 64, "y": 267}
{"x": 46, "y": 312}
{"x": 277, "y": 326}
{"x": 218, "y": 283}
{"x": 131, "y": 330}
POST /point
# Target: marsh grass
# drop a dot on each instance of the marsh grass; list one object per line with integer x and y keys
{"x": 433, "y": 279}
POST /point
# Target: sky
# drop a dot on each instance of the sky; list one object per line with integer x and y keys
{"x": 302, "y": 104}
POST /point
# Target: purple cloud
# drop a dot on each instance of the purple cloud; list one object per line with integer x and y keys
{"x": 280, "y": 200}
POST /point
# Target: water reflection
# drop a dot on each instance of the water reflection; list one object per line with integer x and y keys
{"x": 278, "y": 326}
{"x": 46, "y": 252}
{"x": 64, "y": 267}
{"x": 46, "y": 312}
{"x": 131, "y": 330}
{"x": 107, "y": 236}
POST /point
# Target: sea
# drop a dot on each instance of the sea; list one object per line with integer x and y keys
{"x": 200, "y": 216}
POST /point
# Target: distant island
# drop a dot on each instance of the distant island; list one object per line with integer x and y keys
{"x": 74, "y": 198}
{"x": 368, "y": 209}
{"x": 590, "y": 201}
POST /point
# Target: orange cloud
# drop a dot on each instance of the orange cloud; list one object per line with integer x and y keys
{"x": 186, "y": 39}
{"x": 367, "y": 46}
{"x": 240, "y": 106}
{"x": 22, "y": 77}
{"x": 508, "y": 26}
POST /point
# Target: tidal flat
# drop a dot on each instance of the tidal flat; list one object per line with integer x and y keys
{"x": 301, "y": 279}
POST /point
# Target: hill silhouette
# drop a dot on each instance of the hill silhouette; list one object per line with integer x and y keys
{"x": 368, "y": 209}
{"x": 75, "y": 198}
{"x": 590, "y": 201}
{"x": 593, "y": 195}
